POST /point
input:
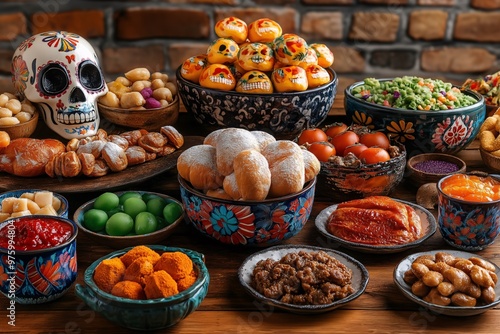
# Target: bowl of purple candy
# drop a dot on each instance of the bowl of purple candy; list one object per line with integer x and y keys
{"x": 431, "y": 167}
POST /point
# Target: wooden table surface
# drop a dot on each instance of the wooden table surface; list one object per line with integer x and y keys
{"x": 229, "y": 309}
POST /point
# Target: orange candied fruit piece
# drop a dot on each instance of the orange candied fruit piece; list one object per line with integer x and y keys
{"x": 471, "y": 188}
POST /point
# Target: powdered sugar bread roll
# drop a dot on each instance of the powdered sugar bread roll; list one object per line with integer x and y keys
{"x": 211, "y": 138}
{"x": 311, "y": 165}
{"x": 197, "y": 165}
{"x": 286, "y": 163}
{"x": 263, "y": 138}
{"x": 230, "y": 186}
{"x": 253, "y": 176}
{"x": 219, "y": 193}
{"x": 230, "y": 143}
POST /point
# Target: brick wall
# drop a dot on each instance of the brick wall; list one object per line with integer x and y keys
{"x": 451, "y": 39}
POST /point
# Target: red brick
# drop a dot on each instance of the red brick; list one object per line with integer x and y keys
{"x": 11, "y": 26}
{"x": 428, "y": 24}
{"x": 123, "y": 59}
{"x": 385, "y": 2}
{"x": 347, "y": 60}
{"x": 210, "y": 2}
{"x": 374, "y": 27}
{"x": 143, "y": 23}
{"x": 485, "y": 4}
{"x": 5, "y": 61}
{"x": 322, "y": 25}
{"x": 6, "y": 85}
{"x": 436, "y": 2}
{"x": 86, "y": 23}
{"x": 328, "y": 2}
{"x": 284, "y": 16}
{"x": 178, "y": 52}
{"x": 274, "y": 2}
{"x": 477, "y": 27}
{"x": 457, "y": 60}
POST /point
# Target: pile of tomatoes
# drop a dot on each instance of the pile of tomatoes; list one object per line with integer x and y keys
{"x": 338, "y": 139}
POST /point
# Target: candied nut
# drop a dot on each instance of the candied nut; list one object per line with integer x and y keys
{"x": 434, "y": 297}
{"x": 419, "y": 289}
{"x": 481, "y": 277}
{"x": 446, "y": 288}
{"x": 461, "y": 299}
{"x": 432, "y": 278}
{"x": 419, "y": 269}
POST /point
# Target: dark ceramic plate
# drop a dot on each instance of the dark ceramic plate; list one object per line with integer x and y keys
{"x": 458, "y": 311}
{"x": 427, "y": 220}
{"x": 359, "y": 282}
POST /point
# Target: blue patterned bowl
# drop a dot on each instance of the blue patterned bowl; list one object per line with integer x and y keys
{"x": 62, "y": 211}
{"x": 37, "y": 276}
{"x": 151, "y": 314}
{"x": 248, "y": 223}
{"x": 470, "y": 226}
{"x": 284, "y": 115}
{"x": 445, "y": 131}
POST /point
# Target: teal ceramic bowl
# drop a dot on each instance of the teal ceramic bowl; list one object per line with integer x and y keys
{"x": 62, "y": 211}
{"x": 443, "y": 131}
{"x": 152, "y": 314}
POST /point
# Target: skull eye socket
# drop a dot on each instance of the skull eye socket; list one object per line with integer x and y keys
{"x": 53, "y": 79}
{"x": 90, "y": 76}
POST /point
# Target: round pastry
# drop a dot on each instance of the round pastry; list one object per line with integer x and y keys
{"x": 222, "y": 50}
{"x": 230, "y": 143}
{"x": 218, "y": 76}
{"x": 119, "y": 140}
{"x": 286, "y": 163}
{"x": 211, "y": 138}
{"x": 290, "y": 49}
{"x": 115, "y": 157}
{"x": 252, "y": 174}
{"x": 100, "y": 168}
{"x": 263, "y": 138}
{"x": 232, "y": 27}
{"x": 87, "y": 161}
{"x": 135, "y": 155}
{"x": 230, "y": 187}
{"x": 316, "y": 76}
{"x": 71, "y": 165}
{"x": 312, "y": 165}
{"x": 325, "y": 55}
{"x": 197, "y": 165}
{"x": 290, "y": 79}
{"x": 254, "y": 82}
{"x": 193, "y": 66}
{"x": 264, "y": 30}
{"x": 256, "y": 56}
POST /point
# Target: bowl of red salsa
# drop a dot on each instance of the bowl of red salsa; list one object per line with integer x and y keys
{"x": 37, "y": 258}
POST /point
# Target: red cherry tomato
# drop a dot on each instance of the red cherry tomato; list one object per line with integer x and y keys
{"x": 312, "y": 136}
{"x": 344, "y": 139}
{"x": 355, "y": 149}
{"x": 375, "y": 139}
{"x": 335, "y": 129}
{"x": 322, "y": 150}
{"x": 373, "y": 155}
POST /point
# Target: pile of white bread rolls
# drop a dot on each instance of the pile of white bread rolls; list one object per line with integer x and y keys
{"x": 237, "y": 164}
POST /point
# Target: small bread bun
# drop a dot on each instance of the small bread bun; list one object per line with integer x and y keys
{"x": 311, "y": 165}
{"x": 211, "y": 138}
{"x": 230, "y": 186}
{"x": 252, "y": 174}
{"x": 263, "y": 138}
{"x": 230, "y": 143}
{"x": 286, "y": 163}
{"x": 71, "y": 165}
{"x": 115, "y": 157}
{"x": 197, "y": 165}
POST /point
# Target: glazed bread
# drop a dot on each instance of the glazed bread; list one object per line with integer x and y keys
{"x": 230, "y": 143}
{"x": 252, "y": 174}
{"x": 286, "y": 163}
{"x": 197, "y": 165}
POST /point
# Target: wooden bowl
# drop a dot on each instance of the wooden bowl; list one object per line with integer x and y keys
{"x": 22, "y": 130}
{"x": 149, "y": 119}
{"x": 420, "y": 177}
{"x": 491, "y": 161}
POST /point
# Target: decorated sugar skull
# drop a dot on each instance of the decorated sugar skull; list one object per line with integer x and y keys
{"x": 222, "y": 50}
{"x": 310, "y": 59}
{"x": 232, "y": 27}
{"x": 217, "y": 76}
{"x": 59, "y": 71}
{"x": 289, "y": 79}
{"x": 290, "y": 49}
{"x": 264, "y": 30}
{"x": 324, "y": 54}
{"x": 316, "y": 76}
{"x": 254, "y": 82}
{"x": 193, "y": 66}
{"x": 256, "y": 56}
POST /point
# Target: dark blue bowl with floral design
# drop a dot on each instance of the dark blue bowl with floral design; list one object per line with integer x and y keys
{"x": 39, "y": 275}
{"x": 248, "y": 223}
{"x": 467, "y": 225}
{"x": 284, "y": 115}
{"x": 421, "y": 131}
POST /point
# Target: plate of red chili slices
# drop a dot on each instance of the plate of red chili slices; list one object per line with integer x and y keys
{"x": 428, "y": 228}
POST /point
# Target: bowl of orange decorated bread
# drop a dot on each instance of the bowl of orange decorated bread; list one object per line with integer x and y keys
{"x": 247, "y": 188}
{"x": 257, "y": 77}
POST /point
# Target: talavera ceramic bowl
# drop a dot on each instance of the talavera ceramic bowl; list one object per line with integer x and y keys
{"x": 42, "y": 274}
{"x": 62, "y": 206}
{"x": 283, "y": 115}
{"x": 443, "y": 131}
{"x": 247, "y": 223}
{"x": 150, "y": 314}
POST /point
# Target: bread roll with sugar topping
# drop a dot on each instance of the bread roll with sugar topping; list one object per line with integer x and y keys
{"x": 286, "y": 163}
{"x": 230, "y": 187}
{"x": 252, "y": 174}
{"x": 230, "y": 143}
{"x": 211, "y": 138}
{"x": 197, "y": 165}
{"x": 311, "y": 165}
{"x": 263, "y": 138}
{"x": 115, "y": 157}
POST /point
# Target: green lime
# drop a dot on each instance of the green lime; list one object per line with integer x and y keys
{"x": 171, "y": 212}
{"x": 119, "y": 224}
{"x": 145, "y": 222}
{"x": 156, "y": 205}
{"x": 111, "y": 212}
{"x": 132, "y": 206}
{"x": 106, "y": 201}
{"x": 147, "y": 196}
{"x": 127, "y": 195}
{"x": 95, "y": 219}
